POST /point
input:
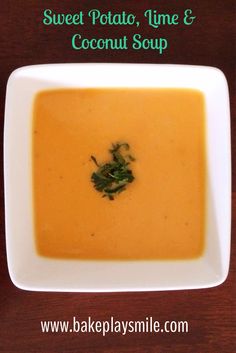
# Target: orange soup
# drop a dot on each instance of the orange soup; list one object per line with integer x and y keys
{"x": 160, "y": 215}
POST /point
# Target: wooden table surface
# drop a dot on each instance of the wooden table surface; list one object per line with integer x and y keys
{"x": 209, "y": 312}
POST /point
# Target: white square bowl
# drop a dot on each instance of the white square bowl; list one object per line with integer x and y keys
{"x": 30, "y": 271}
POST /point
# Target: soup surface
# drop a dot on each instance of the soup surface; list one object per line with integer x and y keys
{"x": 161, "y": 214}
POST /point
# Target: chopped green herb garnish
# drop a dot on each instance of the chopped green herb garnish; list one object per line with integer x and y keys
{"x": 112, "y": 177}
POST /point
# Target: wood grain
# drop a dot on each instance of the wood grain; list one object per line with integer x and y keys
{"x": 210, "y": 312}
